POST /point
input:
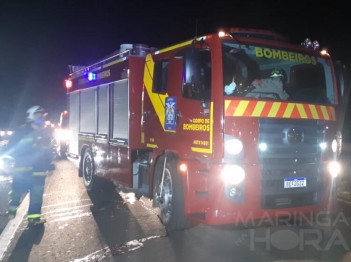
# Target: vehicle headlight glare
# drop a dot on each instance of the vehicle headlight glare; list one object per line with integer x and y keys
{"x": 62, "y": 135}
{"x": 334, "y": 168}
{"x": 262, "y": 146}
{"x": 232, "y": 174}
{"x": 323, "y": 145}
{"x": 334, "y": 146}
{"x": 233, "y": 146}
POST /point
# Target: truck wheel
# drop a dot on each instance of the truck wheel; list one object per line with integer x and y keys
{"x": 63, "y": 150}
{"x": 91, "y": 182}
{"x": 171, "y": 200}
{"x": 62, "y": 153}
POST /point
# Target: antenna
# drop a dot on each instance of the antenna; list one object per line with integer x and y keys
{"x": 275, "y": 35}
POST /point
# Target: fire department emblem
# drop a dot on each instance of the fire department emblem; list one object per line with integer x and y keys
{"x": 295, "y": 136}
{"x": 170, "y": 111}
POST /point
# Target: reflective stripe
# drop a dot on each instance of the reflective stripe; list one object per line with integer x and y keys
{"x": 13, "y": 208}
{"x": 22, "y": 169}
{"x": 39, "y": 173}
{"x": 26, "y": 140}
{"x": 32, "y": 216}
{"x": 10, "y": 192}
{"x": 269, "y": 109}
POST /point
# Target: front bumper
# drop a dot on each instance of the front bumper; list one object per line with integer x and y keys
{"x": 208, "y": 199}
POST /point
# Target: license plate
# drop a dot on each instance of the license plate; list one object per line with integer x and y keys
{"x": 295, "y": 182}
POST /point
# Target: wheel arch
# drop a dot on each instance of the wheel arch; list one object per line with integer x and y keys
{"x": 157, "y": 157}
{"x": 81, "y": 154}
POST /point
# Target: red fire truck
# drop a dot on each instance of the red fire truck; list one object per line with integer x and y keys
{"x": 229, "y": 126}
{"x": 62, "y": 135}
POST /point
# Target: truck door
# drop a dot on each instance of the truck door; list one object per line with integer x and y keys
{"x": 177, "y": 102}
{"x": 194, "y": 107}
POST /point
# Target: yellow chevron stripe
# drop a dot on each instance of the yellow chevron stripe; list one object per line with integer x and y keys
{"x": 157, "y": 100}
{"x": 313, "y": 111}
{"x": 325, "y": 113}
{"x": 301, "y": 110}
{"x": 243, "y": 105}
{"x": 151, "y": 145}
{"x": 226, "y": 104}
{"x": 289, "y": 110}
{"x": 258, "y": 108}
{"x": 179, "y": 45}
{"x": 240, "y": 110}
{"x": 274, "y": 109}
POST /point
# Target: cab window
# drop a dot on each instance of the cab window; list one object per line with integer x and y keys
{"x": 196, "y": 73}
{"x": 160, "y": 76}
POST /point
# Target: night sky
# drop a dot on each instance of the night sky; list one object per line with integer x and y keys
{"x": 39, "y": 39}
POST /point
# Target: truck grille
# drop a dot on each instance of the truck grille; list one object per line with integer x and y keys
{"x": 290, "y": 155}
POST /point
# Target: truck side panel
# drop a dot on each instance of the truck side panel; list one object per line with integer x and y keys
{"x": 120, "y": 110}
{"x": 88, "y": 111}
{"x": 103, "y": 110}
{"x": 73, "y": 122}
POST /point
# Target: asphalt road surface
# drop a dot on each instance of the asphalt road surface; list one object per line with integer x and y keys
{"x": 5, "y": 188}
{"x": 116, "y": 227}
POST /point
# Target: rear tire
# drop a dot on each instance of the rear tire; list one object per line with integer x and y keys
{"x": 62, "y": 151}
{"x": 91, "y": 182}
{"x": 171, "y": 202}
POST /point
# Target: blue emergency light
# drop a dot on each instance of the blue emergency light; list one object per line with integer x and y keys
{"x": 91, "y": 76}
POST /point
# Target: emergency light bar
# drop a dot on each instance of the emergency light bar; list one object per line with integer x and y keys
{"x": 68, "y": 83}
{"x": 309, "y": 44}
{"x": 91, "y": 76}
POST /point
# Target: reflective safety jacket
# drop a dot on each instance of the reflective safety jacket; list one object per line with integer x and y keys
{"x": 32, "y": 150}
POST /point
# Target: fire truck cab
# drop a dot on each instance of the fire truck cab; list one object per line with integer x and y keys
{"x": 219, "y": 129}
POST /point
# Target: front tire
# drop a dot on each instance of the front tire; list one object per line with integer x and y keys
{"x": 170, "y": 201}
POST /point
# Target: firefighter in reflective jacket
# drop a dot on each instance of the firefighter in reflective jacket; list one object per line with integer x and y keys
{"x": 31, "y": 149}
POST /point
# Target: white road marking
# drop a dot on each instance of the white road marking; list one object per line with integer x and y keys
{"x": 12, "y": 226}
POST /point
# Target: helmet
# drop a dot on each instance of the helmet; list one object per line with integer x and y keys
{"x": 33, "y": 110}
{"x": 276, "y": 73}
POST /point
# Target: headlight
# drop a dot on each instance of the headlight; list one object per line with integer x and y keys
{"x": 262, "y": 146}
{"x": 233, "y": 146}
{"x": 62, "y": 135}
{"x": 334, "y": 146}
{"x": 323, "y": 145}
{"x": 232, "y": 174}
{"x": 334, "y": 168}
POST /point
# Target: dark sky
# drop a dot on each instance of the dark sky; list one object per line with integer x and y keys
{"x": 39, "y": 39}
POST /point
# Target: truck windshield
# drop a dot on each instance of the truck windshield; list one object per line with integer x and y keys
{"x": 270, "y": 73}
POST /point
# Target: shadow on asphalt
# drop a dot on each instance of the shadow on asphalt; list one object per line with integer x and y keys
{"x": 29, "y": 237}
{"x": 115, "y": 222}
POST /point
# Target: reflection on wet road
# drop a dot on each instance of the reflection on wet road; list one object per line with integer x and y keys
{"x": 5, "y": 188}
{"x": 117, "y": 227}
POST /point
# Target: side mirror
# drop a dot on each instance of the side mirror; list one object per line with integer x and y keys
{"x": 340, "y": 71}
{"x": 343, "y": 91}
{"x": 204, "y": 104}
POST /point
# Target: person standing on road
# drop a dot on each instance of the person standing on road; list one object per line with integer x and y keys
{"x": 31, "y": 148}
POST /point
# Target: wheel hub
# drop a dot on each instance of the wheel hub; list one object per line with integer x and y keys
{"x": 165, "y": 198}
{"x": 87, "y": 170}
